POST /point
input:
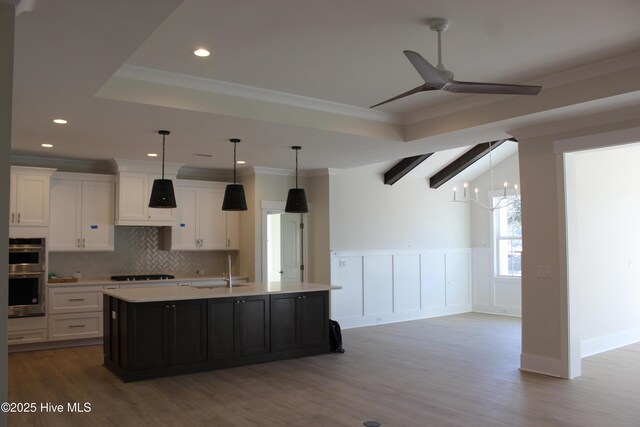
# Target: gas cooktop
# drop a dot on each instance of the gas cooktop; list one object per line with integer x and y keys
{"x": 136, "y": 277}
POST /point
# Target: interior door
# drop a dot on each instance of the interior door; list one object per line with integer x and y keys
{"x": 290, "y": 247}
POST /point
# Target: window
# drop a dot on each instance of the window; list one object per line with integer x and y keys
{"x": 508, "y": 230}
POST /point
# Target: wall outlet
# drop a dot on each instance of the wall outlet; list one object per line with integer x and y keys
{"x": 200, "y": 272}
{"x": 543, "y": 271}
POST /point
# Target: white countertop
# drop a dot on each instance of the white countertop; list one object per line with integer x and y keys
{"x": 178, "y": 279}
{"x": 155, "y": 294}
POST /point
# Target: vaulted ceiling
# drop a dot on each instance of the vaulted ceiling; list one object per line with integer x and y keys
{"x": 304, "y": 72}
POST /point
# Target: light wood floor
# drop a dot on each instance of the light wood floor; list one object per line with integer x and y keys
{"x": 449, "y": 371}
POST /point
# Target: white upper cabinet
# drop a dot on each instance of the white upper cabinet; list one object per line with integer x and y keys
{"x": 134, "y": 191}
{"x": 201, "y": 223}
{"x": 82, "y": 212}
{"x": 29, "y": 197}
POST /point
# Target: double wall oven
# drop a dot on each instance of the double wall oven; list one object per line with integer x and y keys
{"x": 27, "y": 276}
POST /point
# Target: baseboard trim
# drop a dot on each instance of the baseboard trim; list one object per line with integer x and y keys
{"x": 50, "y": 345}
{"x": 385, "y": 318}
{"x": 541, "y": 365}
{"x": 609, "y": 342}
{"x": 500, "y": 310}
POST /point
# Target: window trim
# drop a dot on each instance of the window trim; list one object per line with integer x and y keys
{"x": 495, "y": 215}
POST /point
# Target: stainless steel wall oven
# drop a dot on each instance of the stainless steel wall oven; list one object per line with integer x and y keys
{"x": 27, "y": 277}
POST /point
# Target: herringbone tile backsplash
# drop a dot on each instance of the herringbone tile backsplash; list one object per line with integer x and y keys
{"x": 137, "y": 251}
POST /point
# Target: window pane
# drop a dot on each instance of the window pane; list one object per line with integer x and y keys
{"x": 509, "y": 257}
{"x": 508, "y": 217}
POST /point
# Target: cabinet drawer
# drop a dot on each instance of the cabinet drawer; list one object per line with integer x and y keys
{"x": 75, "y": 326}
{"x": 27, "y": 337}
{"x": 74, "y": 300}
{"x": 27, "y": 323}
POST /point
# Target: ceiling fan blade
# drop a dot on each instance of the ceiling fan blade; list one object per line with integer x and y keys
{"x": 407, "y": 93}
{"x": 491, "y": 88}
{"x": 428, "y": 72}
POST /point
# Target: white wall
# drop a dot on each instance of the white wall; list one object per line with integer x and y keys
{"x": 604, "y": 255}
{"x": 366, "y": 214}
{"x": 491, "y": 294}
{"x": 400, "y": 252}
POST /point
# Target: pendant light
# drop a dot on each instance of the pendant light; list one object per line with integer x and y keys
{"x": 296, "y": 199}
{"x": 162, "y": 194}
{"x": 234, "y": 199}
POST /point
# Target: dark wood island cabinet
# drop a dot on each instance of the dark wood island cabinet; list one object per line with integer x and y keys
{"x": 146, "y": 336}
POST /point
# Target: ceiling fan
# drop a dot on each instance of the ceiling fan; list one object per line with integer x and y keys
{"x": 439, "y": 78}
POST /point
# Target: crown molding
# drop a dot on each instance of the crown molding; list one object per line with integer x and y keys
{"x": 65, "y": 165}
{"x": 147, "y": 166}
{"x": 152, "y": 75}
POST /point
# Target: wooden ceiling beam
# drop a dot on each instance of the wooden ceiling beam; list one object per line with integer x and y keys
{"x": 403, "y": 167}
{"x": 463, "y": 162}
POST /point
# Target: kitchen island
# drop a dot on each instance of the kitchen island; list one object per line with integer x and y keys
{"x": 153, "y": 332}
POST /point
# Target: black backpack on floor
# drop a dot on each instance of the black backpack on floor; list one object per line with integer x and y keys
{"x": 335, "y": 334}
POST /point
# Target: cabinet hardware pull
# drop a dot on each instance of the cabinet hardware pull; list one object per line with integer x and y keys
{"x": 78, "y": 242}
{"x": 77, "y": 326}
{"x": 304, "y": 297}
{"x": 13, "y": 217}
{"x": 15, "y": 338}
{"x": 76, "y": 299}
{"x": 83, "y": 245}
{"x": 18, "y": 217}
{"x": 173, "y": 306}
{"x": 228, "y": 243}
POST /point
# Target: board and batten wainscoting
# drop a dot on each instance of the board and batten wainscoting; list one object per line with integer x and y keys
{"x": 386, "y": 286}
{"x": 493, "y": 295}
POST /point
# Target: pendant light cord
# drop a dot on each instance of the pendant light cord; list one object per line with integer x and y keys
{"x": 163, "y": 136}
{"x": 235, "y": 144}
{"x": 297, "y": 167}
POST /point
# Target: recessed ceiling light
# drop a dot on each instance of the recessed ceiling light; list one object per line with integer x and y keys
{"x": 47, "y": 145}
{"x": 241, "y": 162}
{"x": 60, "y": 121}
{"x": 152, "y": 155}
{"x": 201, "y": 52}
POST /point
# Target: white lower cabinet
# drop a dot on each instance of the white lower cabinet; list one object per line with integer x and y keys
{"x": 75, "y": 326}
{"x": 75, "y": 312}
{"x": 27, "y": 330}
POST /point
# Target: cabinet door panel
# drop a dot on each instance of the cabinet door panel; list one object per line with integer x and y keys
{"x": 184, "y": 233}
{"x": 223, "y": 330}
{"x": 65, "y": 215}
{"x": 233, "y": 230}
{"x": 133, "y": 198}
{"x": 97, "y": 215}
{"x": 189, "y": 332}
{"x": 211, "y": 218}
{"x": 315, "y": 329}
{"x": 32, "y": 201}
{"x": 149, "y": 343}
{"x": 254, "y": 325}
{"x": 285, "y": 333}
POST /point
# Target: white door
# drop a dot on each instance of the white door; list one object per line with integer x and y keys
{"x": 97, "y": 216}
{"x": 290, "y": 247}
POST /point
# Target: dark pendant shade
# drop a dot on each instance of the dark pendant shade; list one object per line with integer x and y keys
{"x": 162, "y": 194}
{"x": 234, "y": 199}
{"x": 296, "y": 201}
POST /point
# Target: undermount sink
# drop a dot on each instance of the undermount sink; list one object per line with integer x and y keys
{"x": 221, "y": 285}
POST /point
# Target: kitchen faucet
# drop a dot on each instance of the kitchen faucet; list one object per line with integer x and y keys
{"x": 228, "y": 279}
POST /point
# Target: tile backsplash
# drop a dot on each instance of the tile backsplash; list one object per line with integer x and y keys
{"x": 137, "y": 251}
